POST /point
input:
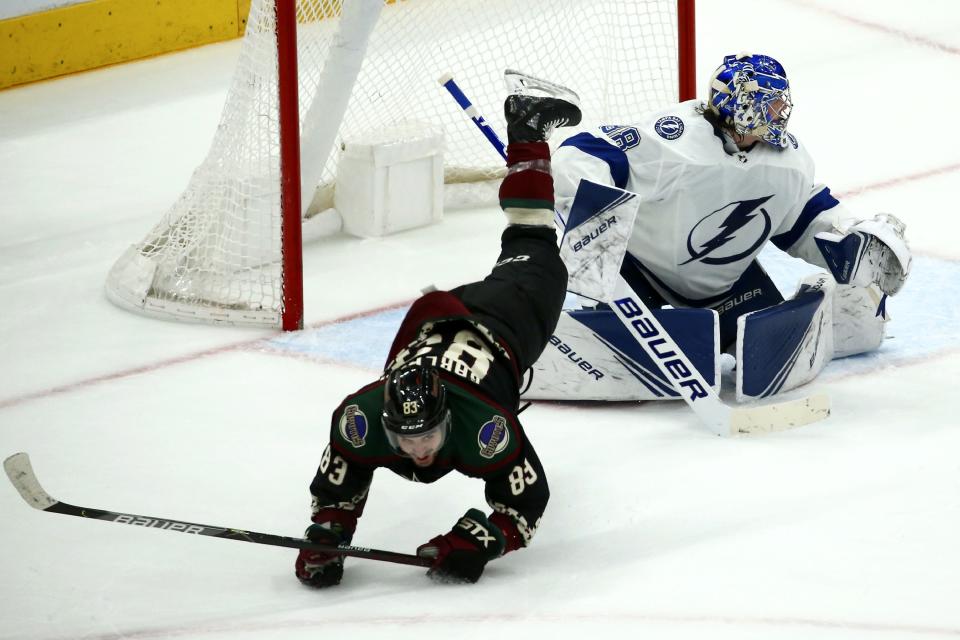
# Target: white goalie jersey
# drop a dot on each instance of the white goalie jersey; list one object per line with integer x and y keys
{"x": 707, "y": 208}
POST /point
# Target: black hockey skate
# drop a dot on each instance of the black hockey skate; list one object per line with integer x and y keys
{"x": 536, "y": 107}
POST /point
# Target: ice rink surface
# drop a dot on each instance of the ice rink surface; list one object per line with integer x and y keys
{"x": 845, "y": 529}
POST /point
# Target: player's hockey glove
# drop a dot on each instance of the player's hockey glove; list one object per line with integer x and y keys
{"x": 318, "y": 568}
{"x": 461, "y": 554}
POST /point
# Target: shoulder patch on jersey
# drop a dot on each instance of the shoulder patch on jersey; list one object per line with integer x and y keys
{"x": 354, "y": 426}
{"x": 669, "y": 127}
{"x": 793, "y": 140}
{"x": 493, "y": 437}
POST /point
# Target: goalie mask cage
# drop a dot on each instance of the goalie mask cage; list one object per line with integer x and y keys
{"x": 312, "y": 73}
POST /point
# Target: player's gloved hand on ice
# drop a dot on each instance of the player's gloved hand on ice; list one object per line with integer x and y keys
{"x": 461, "y": 554}
{"x": 321, "y": 569}
{"x": 870, "y": 252}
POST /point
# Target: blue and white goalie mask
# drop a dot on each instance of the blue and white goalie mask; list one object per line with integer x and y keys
{"x": 751, "y": 94}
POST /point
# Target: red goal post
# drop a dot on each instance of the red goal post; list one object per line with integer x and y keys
{"x": 313, "y": 73}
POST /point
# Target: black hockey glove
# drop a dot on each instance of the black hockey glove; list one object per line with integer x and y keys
{"x": 461, "y": 554}
{"x": 321, "y": 569}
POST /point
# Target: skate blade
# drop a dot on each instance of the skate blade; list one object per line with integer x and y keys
{"x": 525, "y": 84}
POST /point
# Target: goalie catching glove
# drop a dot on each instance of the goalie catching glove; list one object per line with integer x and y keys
{"x": 462, "y": 554}
{"x": 871, "y": 252}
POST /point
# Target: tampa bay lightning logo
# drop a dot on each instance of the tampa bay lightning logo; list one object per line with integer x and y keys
{"x": 730, "y": 233}
{"x": 669, "y": 127}
{"x": 793, "y": 140}
{"x": 354, "y": 426}
{"x": 493, "y": 437}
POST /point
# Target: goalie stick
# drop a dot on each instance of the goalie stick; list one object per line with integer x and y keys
{"x": 673, "y": 363}
{"x": 21, "y": 475}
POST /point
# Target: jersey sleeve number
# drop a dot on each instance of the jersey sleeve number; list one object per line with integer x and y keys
{"x": 521, "y": 476}
{"x": 339, "y": 471}
{"x": 625, "y": 137}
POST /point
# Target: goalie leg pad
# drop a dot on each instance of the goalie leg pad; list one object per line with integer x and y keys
{"x": 859, "y": 322}
{"x": 591, "y": 356}
{"x": 788, "y": 344}
{"x": 753, "y": 291}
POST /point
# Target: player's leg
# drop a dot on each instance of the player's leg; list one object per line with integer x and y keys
{"x": 522, "y": 297}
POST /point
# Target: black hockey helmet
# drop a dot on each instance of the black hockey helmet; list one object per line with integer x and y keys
{"x": 414, "y": 405}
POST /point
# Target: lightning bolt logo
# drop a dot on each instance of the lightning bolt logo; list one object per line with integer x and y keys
{"x": 744, "y": 211}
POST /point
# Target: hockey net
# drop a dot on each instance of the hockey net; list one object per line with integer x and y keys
{"x": 216, "y": 254}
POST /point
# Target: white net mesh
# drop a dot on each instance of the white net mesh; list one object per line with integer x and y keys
{"x": 215, "y": 255}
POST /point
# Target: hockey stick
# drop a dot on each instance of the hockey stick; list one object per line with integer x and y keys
{"x": 673, "y": 363}
{"x": 451, "y": 86}
{"x": 21, "y": 475}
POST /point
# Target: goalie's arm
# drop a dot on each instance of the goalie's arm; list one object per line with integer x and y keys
{"x": 823, "y": 232}
{"x": 627, "y": 157}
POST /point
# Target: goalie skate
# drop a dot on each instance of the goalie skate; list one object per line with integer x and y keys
{"x": 536, "y": 107}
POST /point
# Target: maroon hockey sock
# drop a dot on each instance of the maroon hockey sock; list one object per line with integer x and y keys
{"x": 528, "y": 184}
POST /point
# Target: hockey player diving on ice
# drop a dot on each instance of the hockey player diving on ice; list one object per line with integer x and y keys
{"x": 688, "y": 197}
{"x": 449, "y": 394}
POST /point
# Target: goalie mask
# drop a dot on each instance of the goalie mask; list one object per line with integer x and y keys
{"x": 751, "y": 94}
{"x": 415, "y": 415}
